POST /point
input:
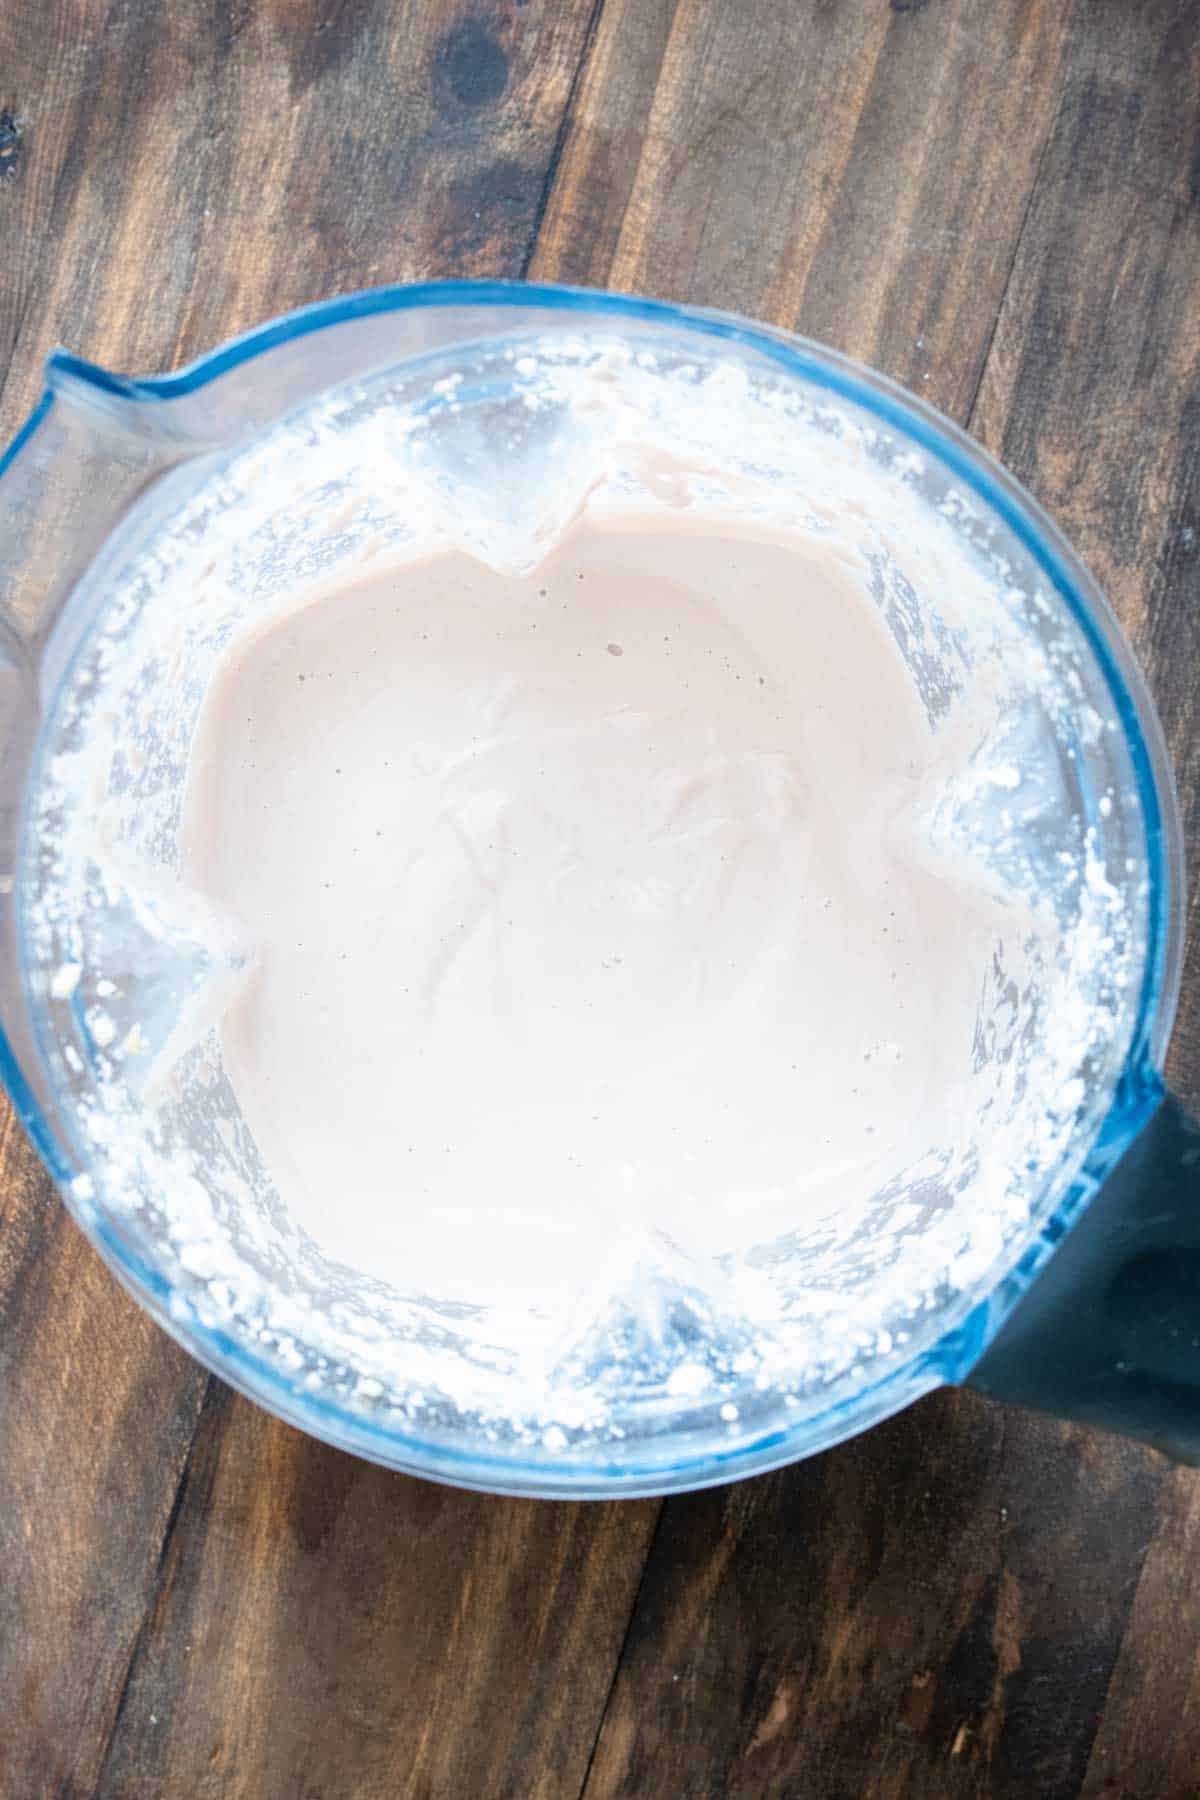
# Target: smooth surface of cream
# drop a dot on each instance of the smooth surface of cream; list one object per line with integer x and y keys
{"x": 594, "y": 919}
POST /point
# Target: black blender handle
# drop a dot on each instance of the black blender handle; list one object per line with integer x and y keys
{"x": 1109, "y": 1332}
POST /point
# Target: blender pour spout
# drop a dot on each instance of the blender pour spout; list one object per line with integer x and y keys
{"x": 92, "y": 446}
{"x": 145, "y": 409}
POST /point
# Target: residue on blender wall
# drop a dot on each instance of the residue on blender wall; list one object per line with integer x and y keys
{"x": 580, "y": 903}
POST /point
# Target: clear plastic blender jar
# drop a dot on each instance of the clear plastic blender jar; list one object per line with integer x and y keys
{"x": 1042, "y": 1245}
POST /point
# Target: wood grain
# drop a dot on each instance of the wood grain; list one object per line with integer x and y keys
{"x": 181, "y": 173}
{"x": 1092, "y": 392}
{"x": 931, "y": 1611}
{"x": 996, "y": 201}
{"x": 808, "y": 164}
{"x": 934, "y": 241}
{"x": 323, "y": 1627}
{"x": 1148, "y": 1736}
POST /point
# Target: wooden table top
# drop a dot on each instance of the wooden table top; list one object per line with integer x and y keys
{"x": 995, "y": 201}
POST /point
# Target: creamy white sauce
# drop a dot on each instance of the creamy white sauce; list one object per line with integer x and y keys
{"x": 593, "y": 905}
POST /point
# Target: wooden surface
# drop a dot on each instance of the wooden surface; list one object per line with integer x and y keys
{"x": 996, "y": 201}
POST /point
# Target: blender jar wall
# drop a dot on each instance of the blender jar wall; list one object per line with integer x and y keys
{"x": 226, "y": 403}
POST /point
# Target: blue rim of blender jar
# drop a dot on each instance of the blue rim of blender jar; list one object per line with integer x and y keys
{"x": 1137, "y": 1090}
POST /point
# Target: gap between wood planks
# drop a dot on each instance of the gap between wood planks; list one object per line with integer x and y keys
{"x": 619, "y": 1658}
{"x": 138, "y": 1646}
{"x": 969, "y": 420}
{"x": 564, "y": 128}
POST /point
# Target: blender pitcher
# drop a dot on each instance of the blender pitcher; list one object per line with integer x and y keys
{"x": 1046, "y": 1249}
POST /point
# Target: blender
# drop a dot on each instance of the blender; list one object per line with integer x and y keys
{"x": 1043, "y": 1247}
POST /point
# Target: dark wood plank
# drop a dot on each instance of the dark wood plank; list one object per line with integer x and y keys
{"x": 932, "y": 1610}
{"x": 97, "y": 1408}
{"x": 1148, "y": 1741}
{"x": 186, "y": 172}
{"x": 806, "y": 163}
{"x": 937, "y": 1610}
{"x": 172, "y": 175}
{"x": 1092, "y": 392}
{"x": 97, "y": 1411}
{"x": 324, "y": 1628}
{"x": 1098, "y": 407}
